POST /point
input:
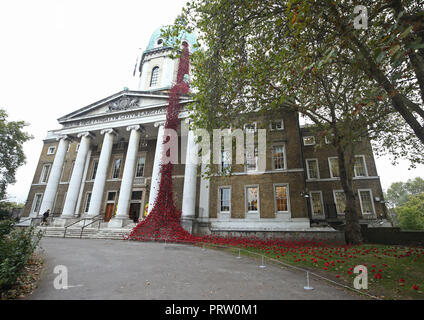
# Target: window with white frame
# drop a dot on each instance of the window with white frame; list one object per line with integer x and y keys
{"x": 116, "y": 168}
{"x": 45, "y": 173}
{"x": 276, "y": 125}
{"x": 51, "y": 150}
{"x": 87, "y": 202}
{"x": 281, "y": 197}
{"x": 360, "y": 167}
{"x": 252, "y": 199}
{"x": 251, "y": 159}
{"x": 94, "y": 169}
{"x": 312, "y": 168}
{"x": 224, "y": 199}
{"x": 155, "y": 76}
{"x": 340, "y": 200}
{"x": 250, "y": 127}
{"x": 309, "y": 140}
{"x": 36, "y": 202}
{"x": 333, "y": 163}
{"x": 316, "y": 203}
{"x": 365, "y": 197}
{"x": 278, "y": 157}
{"x": 225, "y": 161}
{"x": 139, "y": 170}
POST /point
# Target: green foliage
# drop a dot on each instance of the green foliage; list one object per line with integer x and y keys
{"x": 411, "y": 213}
{"x": 400, "y": 192}
{"x": 11, "y": 151}
{"x": 16, "y": 247}
{"x": 260, "y": 55}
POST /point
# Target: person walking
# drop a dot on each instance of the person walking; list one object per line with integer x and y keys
{"x": 45, "y": 216}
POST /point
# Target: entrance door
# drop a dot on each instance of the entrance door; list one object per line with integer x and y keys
{"x": 109, "y": 211}
{"x": 135, "y": 211}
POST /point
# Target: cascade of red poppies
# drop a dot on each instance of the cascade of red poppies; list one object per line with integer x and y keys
{"x": 163, "y": 221}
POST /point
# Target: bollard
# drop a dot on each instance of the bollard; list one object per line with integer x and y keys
{"x": 307, "y": 287}
{"x": 238, "y": 257}
{"x": 262, "y": 265}
{"x": 203, "y": 247}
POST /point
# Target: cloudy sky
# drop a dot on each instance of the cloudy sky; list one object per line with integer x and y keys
{"x": 58, "y": 56}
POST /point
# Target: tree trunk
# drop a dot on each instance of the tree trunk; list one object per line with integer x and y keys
{"x": 353, "y": 229}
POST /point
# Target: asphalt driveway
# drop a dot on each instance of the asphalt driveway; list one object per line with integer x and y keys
{"x": 113, "y": 269}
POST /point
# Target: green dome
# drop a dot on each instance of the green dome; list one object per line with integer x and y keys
{"x": 191, "y": 38}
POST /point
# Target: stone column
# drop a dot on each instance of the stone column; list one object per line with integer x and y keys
{"x": 154, "y": 184}
{"x": 76, "y": 178}
{"x": 99, "y": 181}
{"x": 55, "y": 173}
{"x": 190, "y": 182}
{"x": 127, "y": 179}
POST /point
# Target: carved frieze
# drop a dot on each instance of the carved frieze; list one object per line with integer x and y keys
{"x": 123, "y": 103}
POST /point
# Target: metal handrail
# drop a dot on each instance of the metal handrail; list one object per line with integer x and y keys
{"x": 75, "y": 222}
{"x": 86, "y": 225}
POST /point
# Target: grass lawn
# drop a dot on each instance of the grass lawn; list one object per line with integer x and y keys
{"x": 394, "y": 272}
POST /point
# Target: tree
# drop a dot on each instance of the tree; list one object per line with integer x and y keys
{"x": 258, "y": 60}
{"x": 411, "y": 213}
{"x": 400, "y": 192}
{"x": 11, "y": 152}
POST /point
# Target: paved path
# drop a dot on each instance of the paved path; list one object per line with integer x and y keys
{"x": 113, "y": 269}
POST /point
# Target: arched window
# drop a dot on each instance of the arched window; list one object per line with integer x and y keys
{"x": 154, "y": 78}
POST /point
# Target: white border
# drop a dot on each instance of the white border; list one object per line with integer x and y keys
{"x": 372, "y": 202}
{"x": 288, "y": 198}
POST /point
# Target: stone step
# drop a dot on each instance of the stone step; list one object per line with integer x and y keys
{"x": 88, "y": 233}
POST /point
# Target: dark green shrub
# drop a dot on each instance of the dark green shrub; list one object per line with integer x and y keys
{"x": 16, "y": 247}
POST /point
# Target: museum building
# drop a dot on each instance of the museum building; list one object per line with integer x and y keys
{"x": 104, "y": 163}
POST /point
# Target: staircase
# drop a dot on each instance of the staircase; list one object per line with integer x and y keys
{"x": 87, "y": 233}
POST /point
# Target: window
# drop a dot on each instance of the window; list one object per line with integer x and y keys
{"x": 333, "y": 164}
{"x": 69, "y": 147}
{"x": 37, "y": 202}
{"x": 45, "y": 173}
{"x": 281, "y": 198}
{"x": 136, "y": 195}
{"x": 312, "y": 168}
{"x": 316, "y": 203}
{"x": 77, "y": 147}
{"x": 225, "y": 161}
{"x": 309, "y": 141}
{"x": 94, "y": 170}
{"x": 116, "y": 168}
{"x": 251, "y": 159}
{"x": 111, "y": 196}
{"x": 155, "y": 75}
{"x": 340, "y": 200}
{"x": 139, "y": 170}
{"x": 278, "y": 157}
{"x": 250, "y": 127}
{"x": 360, "y": 168}
{"x": 224, "y": 199}
{"x": 365, "y": 198}
{"x": 51, "y": 150}
{"x": 252, "y": 198}
{"x": 276, "y": 125}
{"x": 87, "y": 202}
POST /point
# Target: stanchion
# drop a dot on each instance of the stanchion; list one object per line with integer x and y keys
{"x": 307, "y": 287}
{"x": 262, "y": 265}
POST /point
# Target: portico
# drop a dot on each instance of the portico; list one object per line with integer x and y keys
{"x": 108, "y": 175}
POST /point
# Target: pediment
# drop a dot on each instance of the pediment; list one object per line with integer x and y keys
{"x": 117, "y": 103}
